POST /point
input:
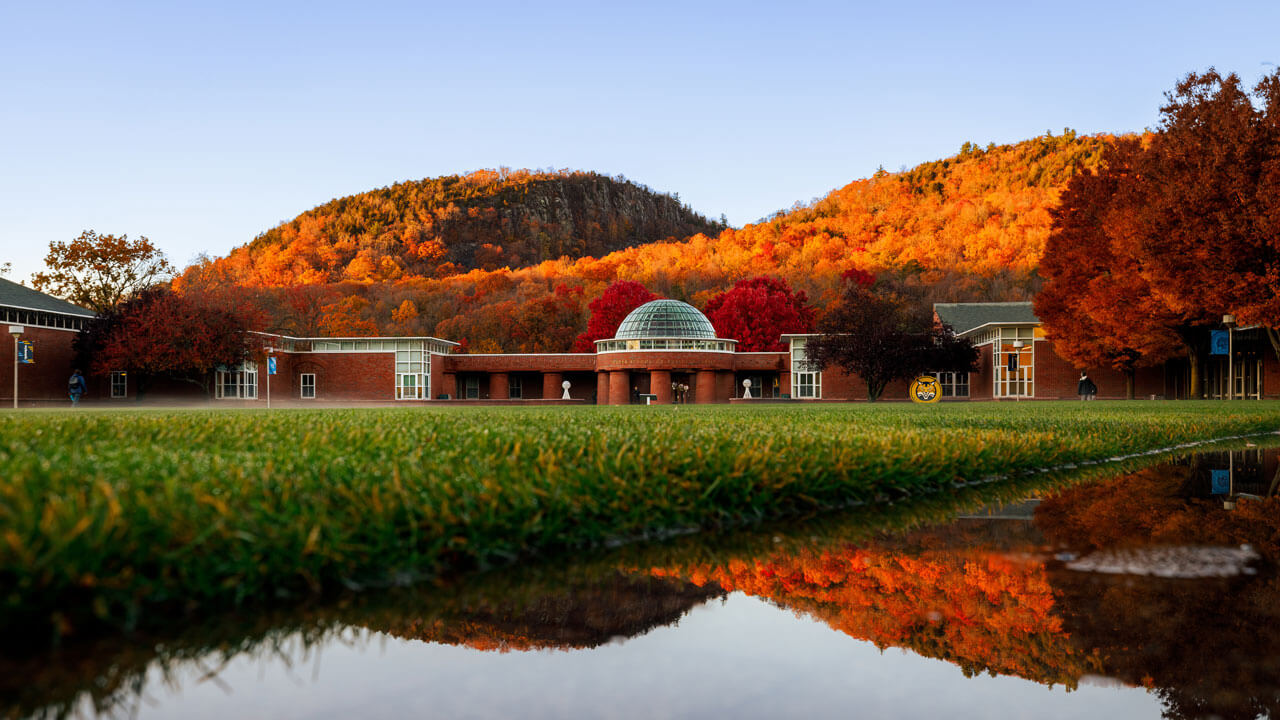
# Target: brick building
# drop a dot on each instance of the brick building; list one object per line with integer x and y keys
{"x": 664, "y": 351}
{"x": 51, "y": 326}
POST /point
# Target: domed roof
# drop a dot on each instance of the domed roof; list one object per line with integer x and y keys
{"x": 665, "y": 319}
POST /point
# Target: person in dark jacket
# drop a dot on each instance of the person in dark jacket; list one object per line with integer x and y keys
{"x": 76, "y": 387}
{"x": 1086, "y": 389}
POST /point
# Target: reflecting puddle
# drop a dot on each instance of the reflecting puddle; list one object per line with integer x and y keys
{"x": 1153, "y": 594}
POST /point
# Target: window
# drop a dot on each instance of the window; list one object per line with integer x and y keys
{"x": 515, "y": 388}
{"x": 119, "y": 384}
{"x": 411, "y": 371}
{"x": 471, "y": 388}
{"x": 954, "y": 384}
{"x": 238, "y": 383}
{"x": 806, "y": 379}
{"x": 407, "y": 387}
{"x": 307, "y": 381}
{"x": 1014, "y": 358}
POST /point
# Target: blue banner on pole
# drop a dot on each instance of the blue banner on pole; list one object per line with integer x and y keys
{"x": 1219, "y": 343}
{"x": 1221, "y": 480}
{"x": 271, "y": 366}
{"x": 26, "y": 352}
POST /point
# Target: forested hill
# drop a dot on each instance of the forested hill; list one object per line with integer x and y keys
{"x": 442, "y": 226}
{"x": 971, "y": 227}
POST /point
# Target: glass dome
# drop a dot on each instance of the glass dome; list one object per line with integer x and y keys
{"x": 665, "y": 319}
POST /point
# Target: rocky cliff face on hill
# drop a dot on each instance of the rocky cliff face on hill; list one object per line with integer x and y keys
{"x": 443, "y": 226}
{"x": 509, "y": 261}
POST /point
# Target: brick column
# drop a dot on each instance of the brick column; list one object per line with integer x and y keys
{"x": 551, "y": 389}
{"x": 619, "y": 387}
{"x": 435, "y": 380}
{"x": 499, "y": 386}
{"x": 602, "y": 388}
{"x": 449, "y": 385}
{"x": 724, "y": 387}
{"x": 704, "y": 391}
{"x": 784, "y": 382}
{"x": 660, "y": 385}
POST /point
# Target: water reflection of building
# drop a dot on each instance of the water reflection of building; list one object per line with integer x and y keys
{"x": 987, "y": 594}
{"x": 1250, "y": 472}
{"x": 996, "y": 594}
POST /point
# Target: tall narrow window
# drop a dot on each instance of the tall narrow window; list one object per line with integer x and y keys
{"x": 1014, "y": 360}
{"x": 472, "y": 385}
{"x": 515, "y": 388}
{"x": 119, "y": 384}
{"x": 806, "y": 378}
{"x": 308, "y": 384}
{"x": 412, "y": 367}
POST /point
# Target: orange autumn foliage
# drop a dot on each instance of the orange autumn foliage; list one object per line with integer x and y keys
{"x": 971, "y": 227}
{"x": 982, "y": 610}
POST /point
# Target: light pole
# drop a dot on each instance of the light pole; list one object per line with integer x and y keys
{"x": 16, "y": 331}
{"x": 270, "y": 370}
{"x": 1230, "y": 322}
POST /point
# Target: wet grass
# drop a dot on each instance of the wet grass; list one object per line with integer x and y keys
{"x": 108, "y": 515}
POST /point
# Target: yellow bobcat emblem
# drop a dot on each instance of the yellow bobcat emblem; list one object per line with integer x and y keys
{"x": 925, "y": 389}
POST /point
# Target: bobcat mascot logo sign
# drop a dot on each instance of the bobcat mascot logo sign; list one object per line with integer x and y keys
{"x": 925, "y": 389}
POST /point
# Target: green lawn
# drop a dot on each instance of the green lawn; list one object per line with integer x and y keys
{"x": 113, "y": 513}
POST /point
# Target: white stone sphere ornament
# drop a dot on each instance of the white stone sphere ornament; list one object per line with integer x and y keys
{"x": 746, "y": 388}
{"x": 565, "y": 385}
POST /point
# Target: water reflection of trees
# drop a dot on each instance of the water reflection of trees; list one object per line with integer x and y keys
{"x": 998, "y": 596}
{"x": 991, "y": 596}
{"x": 509, "y": 608}
{"x": 1207, "y": 647}
{"x": 621, "y": 606}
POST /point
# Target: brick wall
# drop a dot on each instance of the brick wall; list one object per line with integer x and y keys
{"x": 665, "y": 360}
{"x": 579, "y": 362}
{"x": 340, "y": 377}
{"x": 1059, "y": 378}
{"x": 775, "y": 362}
{"x": 44, "y": 381}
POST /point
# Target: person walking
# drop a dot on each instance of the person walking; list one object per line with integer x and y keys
{"x": 76, "y": 387}
{"x": 1085, "y": 388}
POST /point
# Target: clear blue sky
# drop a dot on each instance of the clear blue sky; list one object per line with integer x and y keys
{"x": 201, "y": 127}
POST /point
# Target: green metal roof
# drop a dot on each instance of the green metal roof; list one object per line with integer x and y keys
{"x": 963, "y": 317}
{"x": 19, "y": 296}
{"x": 665, "y": 319}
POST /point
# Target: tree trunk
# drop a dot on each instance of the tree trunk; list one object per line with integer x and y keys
{"x": 1274, "y": 336}
{"x": 1188, "y": 337}
{"x": 1194, "y": 357}
{"x": 1129, "y": 383}
{"x": 874, "y": 389}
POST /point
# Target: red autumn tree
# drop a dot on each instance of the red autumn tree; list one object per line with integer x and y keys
{"x": 1096, "y": 304}
{"x": 300, "y": 309}
{"x": 159, "y": 333}
{"x": 757, "y": 311}
{"x": 609, "y": 310}
{"x": 1204, "y": 235}
{"x": 548, "y": 323}
{"x": 1184, "y": 228}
